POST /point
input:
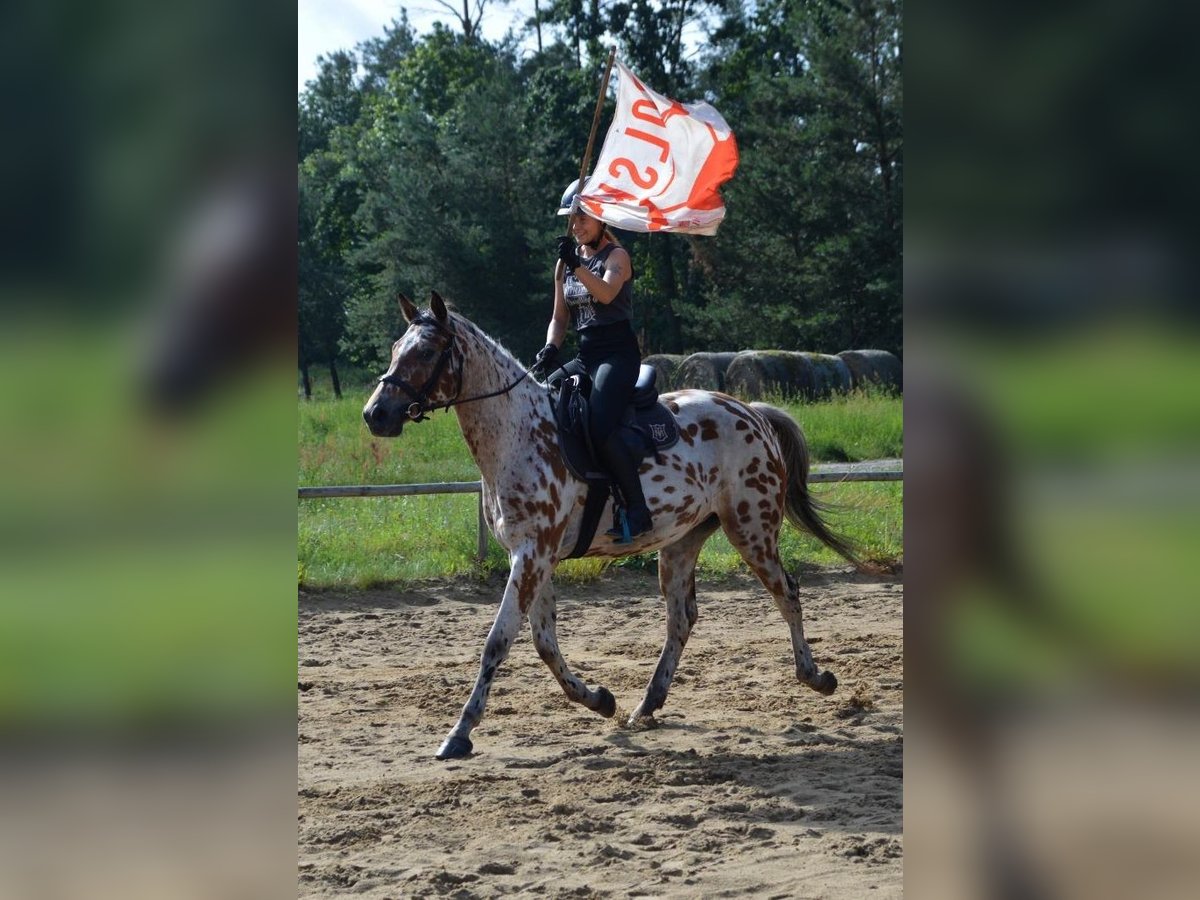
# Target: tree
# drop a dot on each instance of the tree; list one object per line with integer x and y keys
{"x": 456, "y": 196}
{"x": 330, "y": 106}
{"x": 330, "y": 101}
{"x": 467, "y": 13}
{"x": 812, "y": 246}
{"x": 381, "y": 55}
{"x": 321, "y": 314}
{"x": 441, "y": 166}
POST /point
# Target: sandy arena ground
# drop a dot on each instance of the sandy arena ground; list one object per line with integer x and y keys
{"x": 749, "y": 785}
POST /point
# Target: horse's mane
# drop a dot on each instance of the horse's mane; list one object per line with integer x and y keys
{"x": 466, "y": 325}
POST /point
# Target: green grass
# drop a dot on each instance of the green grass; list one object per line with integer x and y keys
{"x": 850, "y": 427}
{"x": 336, "y": 448}
{"x": 140, "y": 561}
{"x": 362, "y": 542}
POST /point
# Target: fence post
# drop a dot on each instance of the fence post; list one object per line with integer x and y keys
{"x": 481, "y": 551}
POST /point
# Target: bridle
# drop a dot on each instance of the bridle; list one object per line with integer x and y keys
{"x": 420, "y": 404}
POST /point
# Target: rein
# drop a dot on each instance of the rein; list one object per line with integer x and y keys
{"x": 420, "y": 406}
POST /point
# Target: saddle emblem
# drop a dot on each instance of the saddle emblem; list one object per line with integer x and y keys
{"x": 658, "y": 431}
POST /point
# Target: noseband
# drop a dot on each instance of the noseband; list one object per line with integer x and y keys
{"x": 420, "y": 397}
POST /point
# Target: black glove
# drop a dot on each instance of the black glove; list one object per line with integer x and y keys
{"x": 569, "y": 254}
{"x": 545, "y": 362}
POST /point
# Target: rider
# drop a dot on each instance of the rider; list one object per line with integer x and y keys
{"x": 592, "y": 291}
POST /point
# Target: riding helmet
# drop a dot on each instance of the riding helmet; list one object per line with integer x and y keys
{"x": 568, "y": 198}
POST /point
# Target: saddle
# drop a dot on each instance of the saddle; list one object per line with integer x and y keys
{"x": 647, "y": 427}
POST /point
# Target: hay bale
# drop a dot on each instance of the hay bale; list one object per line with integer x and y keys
{"x": 665, "y": 364}
{"x": 831, "y": 375}
{"x": 754, "y": 373}
{"x": 705, "y": 371}
{"x": 874, "y": 367}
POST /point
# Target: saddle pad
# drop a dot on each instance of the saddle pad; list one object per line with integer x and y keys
{"x": 646, "y": 431}
{"x": 657, "y": 425}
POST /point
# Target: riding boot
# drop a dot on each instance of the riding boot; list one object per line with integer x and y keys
{"x": 619, "y": 459}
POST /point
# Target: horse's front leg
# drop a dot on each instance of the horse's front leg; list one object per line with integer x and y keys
{"x": 526, "y": 579}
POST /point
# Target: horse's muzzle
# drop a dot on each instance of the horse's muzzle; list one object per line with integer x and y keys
{"x": 382, "y": 420}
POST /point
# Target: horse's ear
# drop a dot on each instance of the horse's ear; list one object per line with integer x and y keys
{"x": 409, "y": 309}
{"x": 438, "y": 305}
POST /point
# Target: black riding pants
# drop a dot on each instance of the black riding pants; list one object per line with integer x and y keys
{"x": 611, "y": 355}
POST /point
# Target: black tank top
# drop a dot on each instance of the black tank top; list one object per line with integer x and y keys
{"x": 586, "y": 311}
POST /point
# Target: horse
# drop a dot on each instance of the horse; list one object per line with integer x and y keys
{"x": 737, "y": 466}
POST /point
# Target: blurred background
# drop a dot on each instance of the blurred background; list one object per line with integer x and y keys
{"x": 147, "y": 414}
{"x": 1052, "y": 419}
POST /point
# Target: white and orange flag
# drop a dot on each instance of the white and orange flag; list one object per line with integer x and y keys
{"x": 661, "y": 165}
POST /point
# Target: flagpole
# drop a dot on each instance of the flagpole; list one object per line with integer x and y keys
{"x": 587, "y": 154}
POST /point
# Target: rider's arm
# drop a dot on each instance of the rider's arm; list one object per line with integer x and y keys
{"x": 556, "y": 331}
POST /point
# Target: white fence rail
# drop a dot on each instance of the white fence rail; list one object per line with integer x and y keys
{"x": 833, "y": 473}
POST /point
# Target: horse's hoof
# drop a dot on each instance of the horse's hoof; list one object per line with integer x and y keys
{"x": 455, "y": 747}
{"x": 608, "y": 703}
{"x": 826, "y": 683}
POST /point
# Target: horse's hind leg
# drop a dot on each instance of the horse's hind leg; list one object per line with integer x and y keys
{"x": 543, "y": 622}
{"x": 760, "y": 549}
{"x": 677, "y": 580}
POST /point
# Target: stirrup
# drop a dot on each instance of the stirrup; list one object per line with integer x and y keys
{"x": 627, "y": 534}
{"x": 620, "y": 529}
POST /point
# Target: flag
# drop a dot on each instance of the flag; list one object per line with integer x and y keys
{"x": 662, "y": 163}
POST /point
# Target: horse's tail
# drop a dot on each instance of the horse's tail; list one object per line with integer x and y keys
{"x": 802, "y": 510}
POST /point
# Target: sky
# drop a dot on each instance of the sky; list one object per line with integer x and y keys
{"x": 327, "y": 25}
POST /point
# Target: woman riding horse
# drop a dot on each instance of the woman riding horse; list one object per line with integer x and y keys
{"x": 592, "y": 282}
{"x": 737, "y": 467}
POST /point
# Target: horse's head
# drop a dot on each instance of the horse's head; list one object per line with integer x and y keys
{"x": 425, "y": 372}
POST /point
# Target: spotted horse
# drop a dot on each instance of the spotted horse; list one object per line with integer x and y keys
{"x": 739, "y": 467}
